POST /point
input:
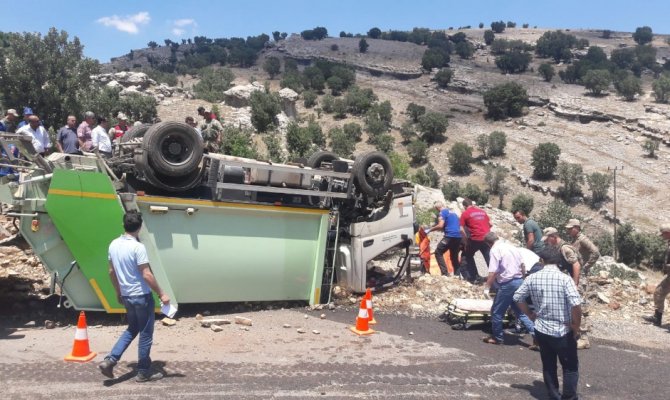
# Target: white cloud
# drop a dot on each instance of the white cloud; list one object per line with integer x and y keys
{"x": 180, "y": 26}
{"x": 128, "y": 23}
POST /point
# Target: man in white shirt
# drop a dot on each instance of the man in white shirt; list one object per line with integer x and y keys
{"x": 506, "y": 271}
{"x": 40, "y": 136}
{"x": 100, "y": 138}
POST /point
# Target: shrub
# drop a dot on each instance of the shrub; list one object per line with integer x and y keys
{"x": 327, "y": 103}
{"x": 604, "y": 241}
{"x": 375, "y": 127}
{"x": 489, "y": 36}
{"x": 505, "y": 100}
{"x": 407, "y": 132}
{"x": 483, "y": 144}
{"x": 353, "y": 131}
{"x": 340, "y": 143}
{"x": 451, "y": 190}
{"x": 334, "y": 47}
{"x": 465, "y": 49}
{"x": 475, "y": 193}
{"x": 498, "y": 26}
{"x": 524, "y": 203}
{"x": 628, "y": 87}
{"x": 646, "y": 56}
{"x": 432, "y": 126}
{"x": 511, "y": 24}
{"x": 597, "y": 81}
{"x": 427, "y": 177}
{"x": 292, "y": 80}
{"x": 546, "y": 71}
{"x": 497, "y": 143}
{"x": 374, "y": 33}
{"x": 314, "y": 130}
{"x": 556, "y": 214}
{"x": 273, "y": 145}
{"x": 556, "y": 45}
{"x": 272, "y": 66}
{"x": 363, "y": 45}
{"x": 336, "y": 85}
{"x": 359, "y": 101}
{"x": 298, "y": 140}
{"x": 606, "y": 34}
{"x": 415, "y": 111}
{"x": 384, "y": 142}
{"x": 599, "y": 185}
{"x": 339, "y": 108}
{"x": 495, "y": 178}
{"x": 418, "y": 151}
{"x": 238, "y": 142}
{"x": 481, "y": 25}
{"x": 661, "y": 88}
{"x": 317, "y": 33}
{"x": 309, "y": 98}
{"x": 264, "y": 108}
{"x": 443, "y": 77}
{"x": 460, "y": 158}
{"x": 545, "y": 160}
{"x": 650, "y": 146}
{"x": 434, "y": 58}
{"x": 572, "y": 177}
{"x": 643, "y": 35}
{"x": 400, "y": 165}
{"x": 213, "y": 82}
{"x": 634, "y": 248}
{"x": 513, "y": 62}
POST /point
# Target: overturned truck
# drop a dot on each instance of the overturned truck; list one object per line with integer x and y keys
{"x": 217, "y": 228}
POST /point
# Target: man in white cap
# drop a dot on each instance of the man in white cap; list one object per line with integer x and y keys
{"x": 8, "y": 124}
{"x": 121, "y": 128}
{"x": 663, "y": 288}
{"x": 584, "y": 246}
{"x": 570, "y": 262}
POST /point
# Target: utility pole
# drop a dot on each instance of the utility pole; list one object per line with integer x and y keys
{"x": 614, "y": 170}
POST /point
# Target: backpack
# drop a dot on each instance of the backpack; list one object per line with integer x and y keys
{"x": 565, "y": 264}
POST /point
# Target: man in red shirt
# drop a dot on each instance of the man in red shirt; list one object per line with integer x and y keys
{"x": 475, "y": 224}
{"x": 122, "y": 127}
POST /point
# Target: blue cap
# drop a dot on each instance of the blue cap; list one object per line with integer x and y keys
{"x": 27, "y": 111}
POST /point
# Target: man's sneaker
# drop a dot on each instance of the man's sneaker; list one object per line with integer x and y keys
{"x": 107, "y": 368}
{"x": 148, "y": 377}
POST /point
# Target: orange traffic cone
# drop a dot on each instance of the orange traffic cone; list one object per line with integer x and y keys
{"x": 362, "y": 327}
{"x": 368, "y": 306}
{"x": 80, "y": 350}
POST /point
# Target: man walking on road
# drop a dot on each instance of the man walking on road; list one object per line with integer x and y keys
{"x": 133, "y": 281}
{"x": 477, "y": 223}
{"x": 447, "y": 222}
{"x": 663, "y": 288}
{"x": 559, "y": 315}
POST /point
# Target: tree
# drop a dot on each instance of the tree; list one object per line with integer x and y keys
{"x": 481, "y": 25}
{"x": 272, "y": 66}
{"x": 152, "y": 45}
{"x": 276, "y": 36}
{"x": 298, "y": 140}
{"x": 545, "y": 160}
{"x": 623, "y": 58}
{"x": 309, "y": 97}
{"x": 418, "y": 151}
{"x": 546, "y": 71}
{"x": 646, "y": 56}
{"x": 339, "y": 108}
{"x": 238, "y": 142}
{"x": 497, "y": 143}
{"x": 599, "y": 185}
{"x": 359, "y": 101}
{"x": 513, "y": 62}
{"x": 273, "y": 144}
{"x": 317, "y": 33}
{"x": 556, "y": 45}
{"x": 643, "y": 35}
{"x": 46, "y": 73}
{"x": 597, "y": 81}
{"x": 340, "y": 143}
{"x": 434, "y": 58}
{"x": 407, "y": 132}
{"x": 606, "y": 34}
{"x": 443, "y": 77}
{"x": 524, "y": 203}
{"x": 495, "y": 178}
{"x": 264, "y": 108}
{"x": 375, "y": 33}
{"x": 336, "y": 85}
{"x": 353, "y": 130}
{"x": 475, "y": 193}
{"x": 483, "y": 144}
{"x": 489, "y": 36}
{"x": 511, "y": 24}
{"x": 465, "y": 49}
{"x": 498, "y": 27}
{"x": 399, "y": 165}
{"x": 432, "y": 126}
{"x": 363, "y": 45}
{"x": 572, "y": 177}
{"x": 661, "y": 88}
{"x": 628, "y": 87}
{"x": 650, "y": 146}
{"x": 384, "y": 143}
{"x": 451, "y": 190}
{"x": 460, "y": 158}
{"x": 505, "y": 100}
{"x": 213, "y": 82}
{"x": 415, "y": 111}
{"x": 555, "y": 215}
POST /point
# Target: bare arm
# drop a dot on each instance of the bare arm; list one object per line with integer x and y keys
{"x": 576, "y": 320}
{"x": 60, "y": 147}
{"x": 524, "y": 309}
{"x": 150, "y": 279}
{"x": 490, "y": 279}
{"x": 530, "y": 241}
{"x": 439, "y": 226}
{"x": 115, "y": 282}
{"x": 575, "y": 272}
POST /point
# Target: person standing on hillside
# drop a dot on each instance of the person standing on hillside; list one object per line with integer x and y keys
{"x": 532, "y": 234}
{"x": 584, "y": 246}
{"x": 448, "y": 222}
{"x": 84, "y": 131}
{"x": 121, "y": 128}
{"x": 663, "y": 288}
{"x": 133, "y": 282}
{"x": 557, "y": 319}
{"x": 477, "y": 223}
{"x": 67, "y": 141}
{"x": 211, "y": 130}
{"x": 570, "y": 261}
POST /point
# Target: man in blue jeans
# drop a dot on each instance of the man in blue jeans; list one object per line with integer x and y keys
{"x": 133, "y": 281}
{"x": 506, "y": 270}
{"x": 448, "y": 222}
{"x": 559, "y": 315}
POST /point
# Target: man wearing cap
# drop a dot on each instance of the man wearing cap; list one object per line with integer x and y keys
{"x": 570, "y": 262}
{"x": 84, "y": 131}
{"x": 531, "y": 231}
{"x": 67, "y": 140}
{"x": 121, "y": 128}
{"x": 39, "y": 135}
{"x": 212, "y": 131}
{"x": 584, "y": 246}
{"x": 663, "y": 288}
{"x": 27, "y": 112}
{"x": 8, "y": 123}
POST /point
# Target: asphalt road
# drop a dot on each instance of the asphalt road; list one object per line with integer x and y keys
{"x": 433, "y": 362}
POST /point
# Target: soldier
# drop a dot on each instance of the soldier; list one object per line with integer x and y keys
{"x": 570, "y": 262}
{"x": 584, "y": 246}
{"x": 663, "y": 288}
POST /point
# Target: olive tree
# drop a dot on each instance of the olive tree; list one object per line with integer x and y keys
{"x": 643, "y": 35}
{"x": 571, "y": 176}
{"x": 599, "y": 184}
{"x": 546, "y": 71}
{"x": 597, "y": 81}
{"x": 505, "y": 100}
{"x": 432, "y": 126}
{"x": 545, "y": 160}
{"x": 661, "y": 88}
{"x": 460, "y": 158}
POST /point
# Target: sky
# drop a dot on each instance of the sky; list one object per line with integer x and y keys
{"x": 112, "y": 28}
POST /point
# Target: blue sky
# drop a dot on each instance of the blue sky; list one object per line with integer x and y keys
{"x": 111, "y": 28}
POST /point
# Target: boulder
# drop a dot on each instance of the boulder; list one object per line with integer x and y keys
{"x": 238, "y": 96}
{"x": 288, "y": 98}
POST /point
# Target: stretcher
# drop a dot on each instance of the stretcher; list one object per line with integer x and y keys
{"x": 462, "y": 313}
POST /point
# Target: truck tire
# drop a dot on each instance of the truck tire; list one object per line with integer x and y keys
{"x": 316, "y": 159}
{"x": 135, "y": 132}
{"x": 173, "y": 148}
{"x": 373, "y": 173}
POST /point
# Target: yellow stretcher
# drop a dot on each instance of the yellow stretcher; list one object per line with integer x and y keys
{"x": 462, "y": 313}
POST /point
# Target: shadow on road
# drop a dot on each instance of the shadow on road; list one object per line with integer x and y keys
{"x": 158, "y": 366}
{"x": 537, "y": 390}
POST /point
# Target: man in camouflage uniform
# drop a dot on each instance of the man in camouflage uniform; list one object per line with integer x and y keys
{"x": 571, "y": 262}
{"x": 212, "y": 132}
{"x": 663, "y": 288}
{"x": 584, "y": 246}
